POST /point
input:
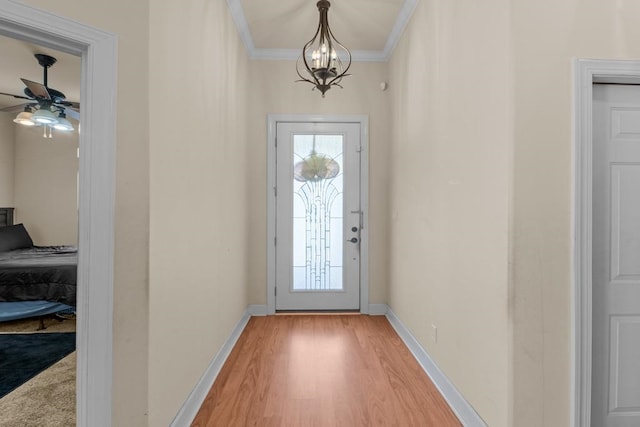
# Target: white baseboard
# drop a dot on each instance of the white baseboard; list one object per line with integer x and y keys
{"x": 463, "y": 410}
{"x": 257, "y": 309}
{"x": 191, "y": 406}
{"x": 378, "y": 309}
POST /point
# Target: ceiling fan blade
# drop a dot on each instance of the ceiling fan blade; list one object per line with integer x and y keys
{"x": 72, "y": 113}
{"x": 15, "y": 108}
{"x": 15, "y": 96}
{"x": 37, "y": 89}
{"x": 74, "y": 105}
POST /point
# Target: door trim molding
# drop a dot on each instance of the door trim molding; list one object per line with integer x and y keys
{"x": 272, "y": 121}
{"x": 585, "y": 72}
{"x": 98, "y": 50}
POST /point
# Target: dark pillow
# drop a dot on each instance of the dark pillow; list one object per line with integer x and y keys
{"x": 14, "y": 237}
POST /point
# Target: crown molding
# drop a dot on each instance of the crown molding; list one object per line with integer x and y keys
{"x": 401, "y": 22}
{"x": 404, "y": 15}
{"x": 237, "y": 13}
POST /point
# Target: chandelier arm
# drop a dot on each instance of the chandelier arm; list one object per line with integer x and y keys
{"x": 301, "y": 76}
{"x": 305, "y": 48}
{"x": 337, "y": 78}
{"x": 344, "y": 48}
{"x": 304, "y": 57}
{"x": 305, "y": 80}
{"x": 339, "y": 60}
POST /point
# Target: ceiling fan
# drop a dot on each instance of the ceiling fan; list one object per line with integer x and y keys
{"x": 45, "y": 106}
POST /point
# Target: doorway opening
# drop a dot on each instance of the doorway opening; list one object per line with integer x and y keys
{"x": 96, "y": 193}
{"x": 585, "y": 190}
{"x": 317, "y": 213}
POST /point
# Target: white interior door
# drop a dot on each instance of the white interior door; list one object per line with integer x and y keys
{"x": 318, "y": 216}
{"x": 616, "y": 256}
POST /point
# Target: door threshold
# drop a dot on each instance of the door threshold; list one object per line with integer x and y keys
{"x": 317, "y": 312}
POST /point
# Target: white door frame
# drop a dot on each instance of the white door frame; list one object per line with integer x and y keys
{"x": 585, "y": 73}
{"x": 272, "y": 121}
{"x": 96, "y": 193}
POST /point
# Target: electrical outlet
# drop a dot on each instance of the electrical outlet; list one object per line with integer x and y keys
{"x": 434, "y": 333}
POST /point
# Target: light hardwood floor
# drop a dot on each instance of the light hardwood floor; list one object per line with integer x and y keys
{"x": 316, "y": 371}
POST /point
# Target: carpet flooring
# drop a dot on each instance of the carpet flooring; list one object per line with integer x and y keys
{"x": 23, "y": 326}
{"x": 23, "y": 356}
{"x": 48, "y": 399}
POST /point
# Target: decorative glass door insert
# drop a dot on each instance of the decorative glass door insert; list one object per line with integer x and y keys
{"x": 317, "y": 212}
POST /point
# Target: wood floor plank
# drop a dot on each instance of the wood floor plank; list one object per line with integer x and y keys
{"x": 322, "y": 371}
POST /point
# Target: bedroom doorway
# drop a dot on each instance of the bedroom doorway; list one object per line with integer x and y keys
{"x": 39, "y": 187}
{"x": 605, "y": 327}
{"x": 320, "y": 231}
{"x": 96, "y": 193}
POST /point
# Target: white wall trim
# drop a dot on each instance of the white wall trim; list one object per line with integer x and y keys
{"x": 402, "y": 20}
{"x": 378, "y": 309}
{"x": 257, "y": 309}
{"x": 404, "y": 16}
{"x": 191, "y": 406}
{"x": 98, "y": 50}
{"x": 271, "y": 214}
{"x": 364, "y": 206}
{"x": 237, "y": 13}
{"x": 463, "y": 410}
{"x": 585, "y": 71}
{"x": 272, "y": 121}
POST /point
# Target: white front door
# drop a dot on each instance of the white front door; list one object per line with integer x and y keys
{"x": 318, "y": 216}
{"x": 616, "y": 256}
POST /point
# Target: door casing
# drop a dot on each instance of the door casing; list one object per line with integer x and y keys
{"x": 585, "y": 73}
{"x": 272, "y": 120}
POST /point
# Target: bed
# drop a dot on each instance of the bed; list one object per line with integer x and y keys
{"x": 34, "y": 280}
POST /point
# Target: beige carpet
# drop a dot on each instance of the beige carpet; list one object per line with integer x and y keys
{"x": 49, "y": 399}
{"x": 31, "y": 325}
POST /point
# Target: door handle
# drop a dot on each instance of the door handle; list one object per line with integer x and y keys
{"x": 353, "y": 240}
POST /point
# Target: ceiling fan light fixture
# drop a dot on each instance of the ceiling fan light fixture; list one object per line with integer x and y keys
{"x": 25, "y": 118}
{"x": 63, "y": 124}
{"x": 45, "y": 116}
{"x": 321, "y": 62}
{"x": 45, "y": 103}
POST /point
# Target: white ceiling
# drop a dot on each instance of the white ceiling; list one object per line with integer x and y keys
{"x": 278, "y": 29}
{"x": 269, "y": 29}
{"x": 17, "y": 61}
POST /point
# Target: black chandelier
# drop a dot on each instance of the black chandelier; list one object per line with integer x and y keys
{"x": 322, "y": 55}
